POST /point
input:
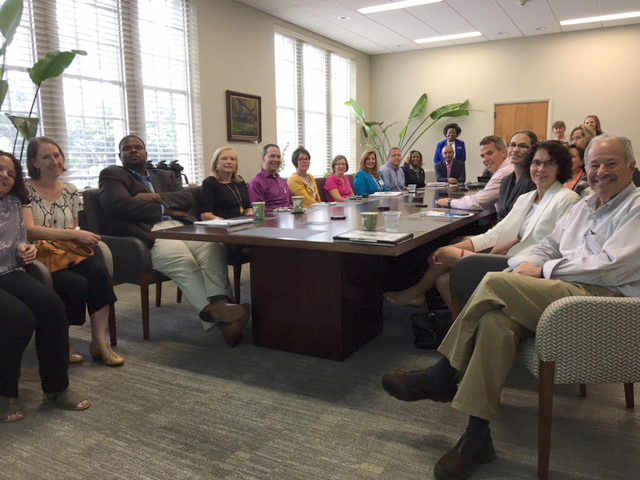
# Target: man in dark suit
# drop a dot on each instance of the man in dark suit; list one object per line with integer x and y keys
{"x": 135, "y": 201}
{"x": 450, "y": 170}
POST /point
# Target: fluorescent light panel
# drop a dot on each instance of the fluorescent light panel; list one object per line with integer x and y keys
{"x": 442, "y": 38}
{"x": 384, "y": 7}
{"x": 601, "y": 18}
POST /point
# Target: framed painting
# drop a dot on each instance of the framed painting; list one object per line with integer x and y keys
{"x": 244, "y": 117}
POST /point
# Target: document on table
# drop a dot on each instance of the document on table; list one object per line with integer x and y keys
{"x": 228, "y": 222}
{"x": 386, "y": 194}
{"x": 445, "y": 214}
{"x": 381, "y": 238}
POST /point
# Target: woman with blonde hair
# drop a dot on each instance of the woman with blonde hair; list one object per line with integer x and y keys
{"x": 594, "y": 122}
{"x": 338, "y": 187}
{"x": 582, "y": 135}
{"x": 224, "y": 194}
{"x": 368, "y": 179}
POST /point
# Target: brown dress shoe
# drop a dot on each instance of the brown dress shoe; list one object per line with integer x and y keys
{"x": 232, "y": 332}
{"x": 461, "y": 461}
{"x": 221, "y": 311}
{"x": 410, "y": 386}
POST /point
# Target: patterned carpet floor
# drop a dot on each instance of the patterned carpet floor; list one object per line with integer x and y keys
{"x": 185, "y": 406}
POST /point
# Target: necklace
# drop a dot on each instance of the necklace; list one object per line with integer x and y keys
{"x": 236, "y": 194}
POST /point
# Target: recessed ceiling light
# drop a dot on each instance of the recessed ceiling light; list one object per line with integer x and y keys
{"x": 502, "y": 33}
{"x": 442, "y": 38}
{"x": 344, "y": 17}
{"x": 401, "y": 45}
{"x": 540, "y": 29}
{"x": 601, "y": 18}
{"x": 395, "y": 5}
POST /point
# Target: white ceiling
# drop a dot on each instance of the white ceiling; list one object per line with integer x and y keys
{"x": 396, "y": 30}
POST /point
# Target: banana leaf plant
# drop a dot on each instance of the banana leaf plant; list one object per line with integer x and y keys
{"x": 376, "y": 133}
{"x": 52, "y": 65}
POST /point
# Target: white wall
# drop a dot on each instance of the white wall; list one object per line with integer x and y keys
{"x": 237, "y": 53}
{"x": 591, "y": 71}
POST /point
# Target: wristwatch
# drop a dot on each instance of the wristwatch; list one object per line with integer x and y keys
{"x": 449, "y": 202}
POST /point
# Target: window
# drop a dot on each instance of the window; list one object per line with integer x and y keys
{"x": 312, "y": 84}
{"x": 140, "y": 76}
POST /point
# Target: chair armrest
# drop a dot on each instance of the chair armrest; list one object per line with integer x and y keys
{"x": 130, "y": 258}
{"x": 103, "y": 251}
{"x": 591, "y": 339}
{"x": 469, "y": 271}
{"x": 38, "y": 271}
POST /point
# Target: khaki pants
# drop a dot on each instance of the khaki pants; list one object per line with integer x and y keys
{"x": 483, "y": 340}
{"x": 198, "y": 268}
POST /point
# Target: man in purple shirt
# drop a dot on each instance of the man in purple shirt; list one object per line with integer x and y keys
{"x": 267, "y": 186}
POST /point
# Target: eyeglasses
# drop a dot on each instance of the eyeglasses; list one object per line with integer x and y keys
{"x": 131, "y": 148}
{"x": 547, "y": 164}
{"x": 520, "y": 146}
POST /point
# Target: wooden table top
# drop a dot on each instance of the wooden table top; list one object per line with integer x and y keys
{"x": 314, "y": 229}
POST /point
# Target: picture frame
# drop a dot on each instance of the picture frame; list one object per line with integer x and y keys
{"x": 244, "y": 117}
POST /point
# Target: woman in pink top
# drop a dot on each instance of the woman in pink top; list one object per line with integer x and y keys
{"x": 337, "y": 185}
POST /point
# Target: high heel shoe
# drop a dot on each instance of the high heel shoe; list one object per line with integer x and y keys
{"x": 103, "y": 352}
{"x": 394, "y": 299}
{"x": 66, "y": 400}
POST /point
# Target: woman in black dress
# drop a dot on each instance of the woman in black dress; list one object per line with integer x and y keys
{"x": 224, "y": 194}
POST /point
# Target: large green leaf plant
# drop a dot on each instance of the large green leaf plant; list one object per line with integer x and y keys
{"x": 376, "y": 133}
{"x": 52, "y": 65}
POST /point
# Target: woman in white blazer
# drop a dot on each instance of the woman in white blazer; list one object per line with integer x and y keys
{"x": 533, "y": 217}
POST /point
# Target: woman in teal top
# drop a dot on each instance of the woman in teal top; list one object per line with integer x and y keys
{"x": 368, "y": 179}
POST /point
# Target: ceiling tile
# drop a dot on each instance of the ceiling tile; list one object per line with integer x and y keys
{"x": 265, "y": 5}
{"x": 327, "y": 7}
{"x": 404, "y": 23}
{"x": 531, "y": 16}
{"x": 487, "y": 17}
{"x": 442, "y": 18}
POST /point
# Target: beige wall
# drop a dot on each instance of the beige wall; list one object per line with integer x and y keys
{"x": 236, "y": 53}
{"x": 592, "y": 71}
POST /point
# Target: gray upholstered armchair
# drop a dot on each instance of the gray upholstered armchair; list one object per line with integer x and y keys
{"x": 578, "y": 340}
{"x": 582, "y": 340}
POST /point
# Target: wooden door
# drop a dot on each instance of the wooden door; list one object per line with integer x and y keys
{"x": 510, "y": 117}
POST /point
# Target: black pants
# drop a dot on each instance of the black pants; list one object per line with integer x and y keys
{"x": 82, "y": 287}
{"x": 28, "y": 305}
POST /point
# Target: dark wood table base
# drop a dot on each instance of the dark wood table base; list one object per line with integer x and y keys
{"x": 338, "y": 304}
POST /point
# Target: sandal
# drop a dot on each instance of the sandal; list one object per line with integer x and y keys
{"x": 10, "y": 410}
{"x": 67, "y": 400}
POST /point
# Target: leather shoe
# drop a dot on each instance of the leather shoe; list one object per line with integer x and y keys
{"x": 222, "y": 311}
{"x": 414, "y": 385}
{"x": 232, "y": 332}
{"x": 460, "y": 462}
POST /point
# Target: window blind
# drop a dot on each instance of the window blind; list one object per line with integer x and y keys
{"x": 140, "y": 76}
{"x": 312, "y": 84}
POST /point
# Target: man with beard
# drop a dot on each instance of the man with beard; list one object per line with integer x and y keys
{"x": 135, "y": 201}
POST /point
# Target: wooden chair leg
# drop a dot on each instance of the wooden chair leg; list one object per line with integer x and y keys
{"x": 112, "y": 325}
{"x": 628, "y": 394}
{"x": 237, "y": 272}
{"x": 545, "y": 406}
{"x": 145, "y": 280}
{"x": 179, "y": 296}
{"x": 583, "y": 390}
{"x": 158, "y": 293}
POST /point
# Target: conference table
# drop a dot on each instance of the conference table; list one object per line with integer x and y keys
{"x": 311, "y": 294}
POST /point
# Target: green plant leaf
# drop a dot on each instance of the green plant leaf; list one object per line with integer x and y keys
{"x": 451, "y": 110}
{"x": 357, "y": 110}
{"x": 417, "y": 111}
{"x": 4, "y": 88}
{"x": 10, "y": 15}
{"x": 27, "y": 126}
{"x": 52, "y": 65}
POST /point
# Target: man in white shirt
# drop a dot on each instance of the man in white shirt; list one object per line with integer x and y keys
{"x": 493, "y": 152}
{"x": 588, "y": 253}
{"x": 391, "y": 173}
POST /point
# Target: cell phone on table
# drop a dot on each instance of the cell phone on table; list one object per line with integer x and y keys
{"x": 337, "y": 213}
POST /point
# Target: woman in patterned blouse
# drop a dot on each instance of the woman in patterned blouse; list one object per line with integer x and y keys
{"x": 53, "y": 215}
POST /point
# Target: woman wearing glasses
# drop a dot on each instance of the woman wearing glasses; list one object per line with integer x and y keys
{"x": 533, "y": 216}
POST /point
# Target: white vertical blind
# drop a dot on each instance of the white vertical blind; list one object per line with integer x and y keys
{"x": 140, "y": 76}
{"x": 312, "y": 84}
